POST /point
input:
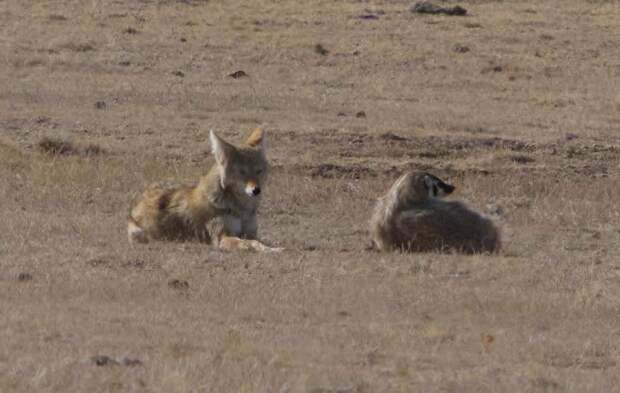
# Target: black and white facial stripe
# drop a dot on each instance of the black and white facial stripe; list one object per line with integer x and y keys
{"x": 436, "y": 187}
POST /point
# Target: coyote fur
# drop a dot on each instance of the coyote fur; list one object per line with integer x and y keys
{"x": 220, "y": 209}
{"x": 412, "y": 217}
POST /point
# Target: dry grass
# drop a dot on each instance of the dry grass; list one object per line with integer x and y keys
{"x": 524, "y": 123}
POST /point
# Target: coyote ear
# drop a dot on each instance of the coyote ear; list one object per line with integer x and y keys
{"x": 256, "y": 138}
{"x": 220, "y": 148}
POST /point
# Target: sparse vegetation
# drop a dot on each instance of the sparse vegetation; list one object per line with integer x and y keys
{"x": 55, "y": 146}
{"x": 534, "y": 144}
{"x": 59, "y": 146}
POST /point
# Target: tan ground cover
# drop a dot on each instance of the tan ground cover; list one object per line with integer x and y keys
{"x": 516, "y": 104}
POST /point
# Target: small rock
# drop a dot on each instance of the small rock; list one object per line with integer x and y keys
{"x": 360, "y": 114}
{"x": 369, "y": 16}
{"x": 130, "y": 30}
{"x": 23, "y": 277}
{"x": 104, "y": 360}
{"x": 570, "y": 136}
{"x": 183, "y": 39}
{"x": 131, "y": 362}
{"x": 458, "y": 48}
{"x": 42, "y": 120}
{"x": 426, "y": 7}
{"x": 58, "y": 17}
{"x": 487, "y": 339}
{"x": 320, "y": 49}
{"x": 178, "y": 73}
{"x": 181, "y": 285}
{"x": 124, "y": 63}
{"x": 492, "y": 68}
{"x": 238, "y": 74}
{"x": 100, "y": 105}
{"x": 97, "y": 262}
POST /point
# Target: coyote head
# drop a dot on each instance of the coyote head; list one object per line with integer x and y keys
{"x": 243, "y": 169}
{"x": 419, "y": 186}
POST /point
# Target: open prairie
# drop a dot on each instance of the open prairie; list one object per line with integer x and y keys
{"x": 517, "y": 104}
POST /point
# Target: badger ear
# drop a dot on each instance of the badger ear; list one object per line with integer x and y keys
{"x": 437, "y": 187}
{"x": 221, "y": 149}
{"x": 429, "y": 181}
{"x": 256, "y": 138}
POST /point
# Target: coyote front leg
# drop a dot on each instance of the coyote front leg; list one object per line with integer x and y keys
{"x": 226, "y": 232}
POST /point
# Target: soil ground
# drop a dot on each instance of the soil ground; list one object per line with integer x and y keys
{"x": 517, "y": 104}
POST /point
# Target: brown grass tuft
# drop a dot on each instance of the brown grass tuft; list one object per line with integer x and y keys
{"x": 58, "y": 146}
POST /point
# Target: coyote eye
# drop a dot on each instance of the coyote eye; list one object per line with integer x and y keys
{"x": 259, "y": 171}
{"x": 243, "y": 172}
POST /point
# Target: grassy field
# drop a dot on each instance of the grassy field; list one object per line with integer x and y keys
{"x": 517, "y": 104}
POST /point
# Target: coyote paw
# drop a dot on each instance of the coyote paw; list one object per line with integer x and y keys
{"x": 258, "y": 246}
{"x": 135, "y": 234}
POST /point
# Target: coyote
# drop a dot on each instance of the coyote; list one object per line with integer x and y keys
{"x": 220, "y": 209}
{"x": 412, "y": 217}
